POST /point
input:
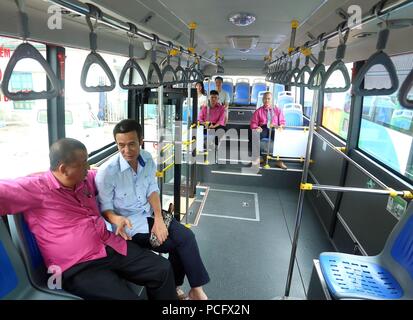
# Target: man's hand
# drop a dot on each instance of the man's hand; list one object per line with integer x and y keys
{"x": 121, "y": 222}
{"x": 159, "y": 229}
{"x": 258, "y": 129}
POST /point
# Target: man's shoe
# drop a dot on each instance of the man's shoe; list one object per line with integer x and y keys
{"x": 281, "y": 165}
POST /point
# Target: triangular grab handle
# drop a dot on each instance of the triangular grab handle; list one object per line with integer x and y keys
{"x": 130, "y": 65}
{"x": 26, "y": 50}
{"x": 169, "y": 69}
{"x": 337, "y": 65}
{"x": 404, "y": 91}
{"x": 92, "y": 58}
{"x": 180, "y": 74}
{"x": 377, "y": 58}
{"x": 153, "y": 67}
{"x": 301, "y": 76}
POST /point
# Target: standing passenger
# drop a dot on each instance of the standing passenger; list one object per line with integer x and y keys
{"x": 223, "y": 96}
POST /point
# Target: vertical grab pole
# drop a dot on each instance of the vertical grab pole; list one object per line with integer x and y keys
{"x": 188, "y": 138}
{"x": 160, "y": 140}
{"x": 299, "y": 213}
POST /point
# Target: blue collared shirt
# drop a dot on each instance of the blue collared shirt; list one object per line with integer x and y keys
{"x": 126, "y": 192}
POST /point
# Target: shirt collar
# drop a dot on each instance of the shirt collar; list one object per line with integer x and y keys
{"x": 55, "y": 184}
{"x": 124, "y": 165}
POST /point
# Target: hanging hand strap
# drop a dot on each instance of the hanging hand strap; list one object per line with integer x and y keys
{"x": 319, "y": 71}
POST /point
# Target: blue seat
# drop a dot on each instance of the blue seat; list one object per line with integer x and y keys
{"x": 293, "y": 113}
{"x": 256, "y": 88}
{"x": 27, "y": 246}
{"x": 276, "y": 89}
{"x": 242, "y": 92}
{"x": 388, "y": 275}
{"x": 209, "y": 87}
{"x": 228, "y": 86}
{"x": 284, "y": 97}
{"x": 14, "y": 283}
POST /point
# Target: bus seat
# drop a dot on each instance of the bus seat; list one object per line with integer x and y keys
{"x": 14, "y": 283}
{"x": 228, "y": 86}
{"x": 24, "y": 240}
{"x": 388, "y": 275}
{"x": 293, "y": 113}
{"x": 284, "y": 98}
{"x": 209, "y": 87}
{"x": 242, "y": 92}
{"x": 276, "y": 89}
{"x": 256, "y": 88}
{"x": 402, "y": 119}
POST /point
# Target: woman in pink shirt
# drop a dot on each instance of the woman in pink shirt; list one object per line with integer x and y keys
{"x": 266, "y": 117}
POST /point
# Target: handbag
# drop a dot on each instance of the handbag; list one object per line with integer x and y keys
{"x": 167, "y": 219}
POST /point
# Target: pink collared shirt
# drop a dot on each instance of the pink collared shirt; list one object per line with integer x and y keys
{"x": 66, "y": 223}
{"x": 216, "y": 114}
{"x": 259, "y": 118}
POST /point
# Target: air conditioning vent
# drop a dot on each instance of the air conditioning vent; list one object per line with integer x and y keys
{"x": 243, "y": 42}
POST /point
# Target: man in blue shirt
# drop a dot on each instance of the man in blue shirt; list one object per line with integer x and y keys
{"x": 129, "y": 200}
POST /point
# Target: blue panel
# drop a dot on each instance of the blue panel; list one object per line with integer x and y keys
{"x": 257, "y": 87}
{"x": 35, "y": 255}
{"x": 276, "y": 90}
{"x": 242, "y": 93}
{"x": 8, "y": 277}
{"x": 348, "y": 277}
{"x": 402, "y": 249}
{"x": 293, "y": 118}
{"x": 284, "y": 100}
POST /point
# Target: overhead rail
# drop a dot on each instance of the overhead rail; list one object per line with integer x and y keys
{"x": 379, "y": 10}
{"x": 83, "y": 9}
{"x": 27, "y": 51}
{"x": 131, "y": 65}
{"x": 378, "y": 58}
{"x": 94, "y": 57}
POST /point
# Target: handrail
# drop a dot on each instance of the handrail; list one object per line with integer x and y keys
{"x": 154, "y": 70}
{"x": 23, "y": 51}
{"x": 334, "y": 148}
{"x": 384, "y": 8}
{"x": 300, "y": 81}
{"x": 389, "y": 191}
{"x": 82, "y": 9}
{"x": 94, "y": 57}
{"x": 131, "y": 65}
{"x": 338, "y": 65}
{"x": 379, "y": 57}
{"x": 404, "y": 91}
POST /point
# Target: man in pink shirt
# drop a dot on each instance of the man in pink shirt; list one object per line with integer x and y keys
{"x": 216, "y": 117}
{"x": 61, "y": 210}
{"x": 264, "y": 118}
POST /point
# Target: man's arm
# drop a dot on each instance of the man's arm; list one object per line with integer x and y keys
{"x": 105, "y": 187}
{"x": 20, "y": 195}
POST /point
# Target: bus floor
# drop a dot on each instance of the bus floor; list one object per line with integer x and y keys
{"x": 244, "y": 236}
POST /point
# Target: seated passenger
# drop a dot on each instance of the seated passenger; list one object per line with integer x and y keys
{"x": 264, "y": 118}
{"x": 129, "y": 197}
{"x": 61, "y": 210}
{"x": 223, "y": 98}
{"x": 214, "y": 118}
{"x": 202, "y": 98}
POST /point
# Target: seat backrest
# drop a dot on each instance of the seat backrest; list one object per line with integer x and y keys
{"x": 228, "y": 86}
{"x": 276, "y": 89}
{"x": 283, "y": 100}
{"x": 293, "y": 113}
{"x": 14, "y": 283}
{"x": 209, "y": 87}
{"x": 256, "y": 88}
{"x": 242, "y": 92}
{"x": 399, "y": 244}
{"x": 27, "y": 246}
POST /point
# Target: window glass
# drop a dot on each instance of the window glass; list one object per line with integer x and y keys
{"x": 24, "y": 140}
{"x": 93, "y": 115}
{"x": 386, "y": 131}
{"x": 308, "y": 101}
{"x": 336, "y": 108}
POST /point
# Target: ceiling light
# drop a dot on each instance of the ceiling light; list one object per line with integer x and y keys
{"x": 241, "y": 19}
{"x": 244, "y": 50}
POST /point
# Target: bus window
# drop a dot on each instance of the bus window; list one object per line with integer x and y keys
{"x": 95, "y": 114}
{"x": 308, "y": 101}
{"x": 336, "y": 108}
{"x": 22, "y": 150}
{"x": 386, "y": 131}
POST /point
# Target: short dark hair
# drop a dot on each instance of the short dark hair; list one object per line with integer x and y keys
{"x": 219, "y": 78}
{"x": 63, "y": 152}
{"x": 127, "y": 125}
{"x": 214, "y": 92}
